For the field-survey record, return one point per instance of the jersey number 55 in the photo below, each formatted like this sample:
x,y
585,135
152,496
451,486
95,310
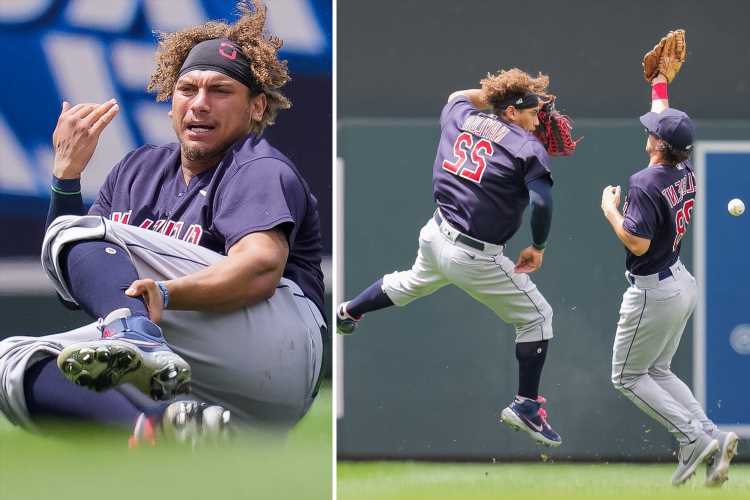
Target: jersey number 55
x,y
477,154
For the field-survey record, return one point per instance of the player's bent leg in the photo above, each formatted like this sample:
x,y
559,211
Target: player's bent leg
x,y
512,296
425,276
132,350
262,363
491,280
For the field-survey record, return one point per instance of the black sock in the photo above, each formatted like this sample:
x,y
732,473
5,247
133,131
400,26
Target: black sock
x,y
97,274
371,299
530,356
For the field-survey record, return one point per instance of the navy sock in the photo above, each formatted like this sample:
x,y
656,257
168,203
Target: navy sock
x,y
49,395
531,357
98,273
371,299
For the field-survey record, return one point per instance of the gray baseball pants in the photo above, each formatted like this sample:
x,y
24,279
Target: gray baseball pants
x,y
261,362
653,316
487,276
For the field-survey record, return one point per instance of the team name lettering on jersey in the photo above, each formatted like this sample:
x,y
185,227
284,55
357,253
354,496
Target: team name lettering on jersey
x,y
164,226
674,193
123,217
485,127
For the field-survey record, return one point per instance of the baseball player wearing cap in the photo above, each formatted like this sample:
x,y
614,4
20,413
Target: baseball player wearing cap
x,y
201,258
488,167
662,293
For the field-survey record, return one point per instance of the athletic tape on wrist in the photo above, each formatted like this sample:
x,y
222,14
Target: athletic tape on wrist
x,y
659,91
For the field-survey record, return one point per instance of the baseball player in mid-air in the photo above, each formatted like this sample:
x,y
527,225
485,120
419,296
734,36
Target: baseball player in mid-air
x,y
489,165
662,294
201,258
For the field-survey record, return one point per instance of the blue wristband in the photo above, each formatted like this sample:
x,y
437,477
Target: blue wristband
x,y
164,293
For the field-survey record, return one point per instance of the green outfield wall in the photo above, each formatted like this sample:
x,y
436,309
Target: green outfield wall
x,y
428,381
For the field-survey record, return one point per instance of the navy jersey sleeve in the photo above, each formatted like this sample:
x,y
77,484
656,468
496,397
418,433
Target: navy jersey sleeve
x,y
536,162
457,107
640,213
261,195
102,206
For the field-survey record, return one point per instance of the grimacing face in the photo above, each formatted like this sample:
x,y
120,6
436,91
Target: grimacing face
x,y
210,111
527,119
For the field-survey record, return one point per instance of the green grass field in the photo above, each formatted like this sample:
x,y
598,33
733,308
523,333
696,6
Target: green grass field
x,y
87,464
440,481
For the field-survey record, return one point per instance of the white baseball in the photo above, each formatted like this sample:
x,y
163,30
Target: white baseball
x,y
736,207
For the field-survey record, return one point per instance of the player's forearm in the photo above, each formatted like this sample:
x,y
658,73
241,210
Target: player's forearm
x,y
659,98
229,285
476,97
541,211
65,199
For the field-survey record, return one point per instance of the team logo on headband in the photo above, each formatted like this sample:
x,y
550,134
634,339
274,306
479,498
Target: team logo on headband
x,y
230,54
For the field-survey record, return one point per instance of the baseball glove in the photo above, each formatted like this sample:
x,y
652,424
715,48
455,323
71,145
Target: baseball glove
x,y
666,57
555,130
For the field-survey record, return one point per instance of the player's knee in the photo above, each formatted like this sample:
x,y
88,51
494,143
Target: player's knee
x,y
622,382
404,287
65,219
660,371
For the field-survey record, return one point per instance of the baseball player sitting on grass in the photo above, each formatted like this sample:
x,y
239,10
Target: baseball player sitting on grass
x,y
489,165
199,258
662,293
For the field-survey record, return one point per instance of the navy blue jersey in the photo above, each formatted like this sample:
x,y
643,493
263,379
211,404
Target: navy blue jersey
x,y
481,171
253,188
659,207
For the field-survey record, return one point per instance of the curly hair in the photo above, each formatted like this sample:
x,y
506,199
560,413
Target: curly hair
x,y
501,85
671,156
247,32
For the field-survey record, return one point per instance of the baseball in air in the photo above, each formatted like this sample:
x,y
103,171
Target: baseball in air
x,y
736,207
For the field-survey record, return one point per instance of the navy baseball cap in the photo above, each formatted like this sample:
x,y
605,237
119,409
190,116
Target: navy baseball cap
x,y
672,126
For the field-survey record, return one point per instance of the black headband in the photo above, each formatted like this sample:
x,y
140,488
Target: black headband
x,y
518,101
224,56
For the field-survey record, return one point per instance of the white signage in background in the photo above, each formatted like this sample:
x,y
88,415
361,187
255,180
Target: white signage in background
x,y
21,11
739,339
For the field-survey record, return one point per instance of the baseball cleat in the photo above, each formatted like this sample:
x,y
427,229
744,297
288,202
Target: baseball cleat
x,y
131,350
187,422
527,415
718,465
345,322
691,455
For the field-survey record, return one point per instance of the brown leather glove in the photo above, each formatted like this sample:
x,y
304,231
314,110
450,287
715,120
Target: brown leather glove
x,y
666,57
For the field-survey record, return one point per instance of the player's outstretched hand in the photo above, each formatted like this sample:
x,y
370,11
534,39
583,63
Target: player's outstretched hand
x,y
76,135
149,290
529,260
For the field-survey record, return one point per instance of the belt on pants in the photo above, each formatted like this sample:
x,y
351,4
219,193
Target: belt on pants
x,y
667,273
468,240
